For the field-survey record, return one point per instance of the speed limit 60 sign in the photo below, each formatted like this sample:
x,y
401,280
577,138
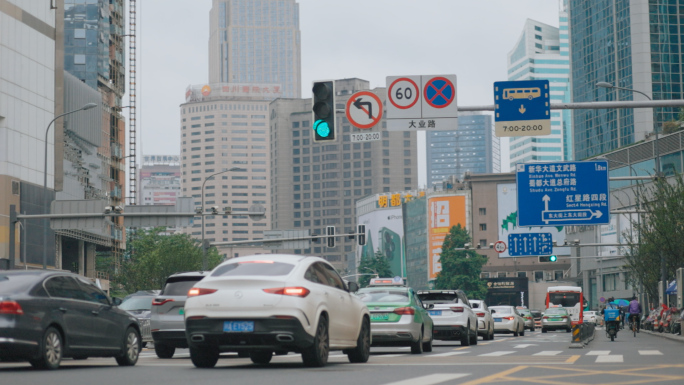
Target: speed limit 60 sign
x,y
403,94
421,102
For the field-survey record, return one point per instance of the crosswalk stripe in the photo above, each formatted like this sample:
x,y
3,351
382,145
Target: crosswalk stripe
x,y
548,353
430,379
447,354
607,358
650,352
495,354
598,353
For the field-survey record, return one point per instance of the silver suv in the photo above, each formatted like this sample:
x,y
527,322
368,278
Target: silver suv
x,y
167,319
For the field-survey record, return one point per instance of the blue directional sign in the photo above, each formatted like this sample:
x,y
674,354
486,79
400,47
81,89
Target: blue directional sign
x,y
523,108
563,193
530,244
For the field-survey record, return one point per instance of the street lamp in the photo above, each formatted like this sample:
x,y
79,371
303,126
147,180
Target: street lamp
x,y
45,201
663,275
204,247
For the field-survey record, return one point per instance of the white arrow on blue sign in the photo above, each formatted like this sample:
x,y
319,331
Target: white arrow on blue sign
x,y
563,193
522,108
525,244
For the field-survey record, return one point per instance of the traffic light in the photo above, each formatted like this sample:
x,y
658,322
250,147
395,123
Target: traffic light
x,y
324,111
548,258
361,234
330,231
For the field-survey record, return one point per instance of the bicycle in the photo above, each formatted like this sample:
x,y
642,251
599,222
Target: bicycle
x,y
633,324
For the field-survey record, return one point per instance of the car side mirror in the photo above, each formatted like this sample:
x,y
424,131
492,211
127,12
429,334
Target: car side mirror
x,y
353,287
492,311
429,305
116,301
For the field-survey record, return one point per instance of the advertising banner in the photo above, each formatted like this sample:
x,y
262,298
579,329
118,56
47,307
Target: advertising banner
x,y
384,233
443,213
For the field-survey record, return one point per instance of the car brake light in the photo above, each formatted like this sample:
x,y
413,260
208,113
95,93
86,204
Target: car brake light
x,y
195,291
294,291
405,311
161,301
545,317
480,314
11,307
457,309
195,317
509,318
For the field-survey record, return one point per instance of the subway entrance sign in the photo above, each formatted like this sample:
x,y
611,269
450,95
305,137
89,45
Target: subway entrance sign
x,y
563,193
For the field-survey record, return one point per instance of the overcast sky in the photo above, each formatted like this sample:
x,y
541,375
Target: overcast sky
x,y
367,39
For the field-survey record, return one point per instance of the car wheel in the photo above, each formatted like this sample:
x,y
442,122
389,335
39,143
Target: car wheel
x,y
131,348
417,346
473,338
532,329
51,350
261,357
491,334
317,354
362,350
522,333
143,345
427,346
465,338
568,330
204,357
544,330
164,351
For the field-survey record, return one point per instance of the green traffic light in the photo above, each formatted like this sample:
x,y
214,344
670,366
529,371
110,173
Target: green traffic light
x,y
553,258
322,128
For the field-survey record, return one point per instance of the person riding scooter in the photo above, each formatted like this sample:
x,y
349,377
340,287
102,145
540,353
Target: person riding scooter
x,y
611,317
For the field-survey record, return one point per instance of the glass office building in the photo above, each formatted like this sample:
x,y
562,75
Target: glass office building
x,y
472,148
256,42
630,44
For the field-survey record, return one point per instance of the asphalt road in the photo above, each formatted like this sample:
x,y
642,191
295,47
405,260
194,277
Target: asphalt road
x,y
535,358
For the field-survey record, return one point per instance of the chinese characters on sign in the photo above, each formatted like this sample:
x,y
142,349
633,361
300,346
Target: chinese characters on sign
x,y
397,199
196,93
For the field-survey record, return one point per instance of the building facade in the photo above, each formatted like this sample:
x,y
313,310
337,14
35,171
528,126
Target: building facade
x,y
473,148
630,44
159,179
315,185
256,42
541,53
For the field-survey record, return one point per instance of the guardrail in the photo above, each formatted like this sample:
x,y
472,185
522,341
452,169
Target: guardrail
x,y
582,334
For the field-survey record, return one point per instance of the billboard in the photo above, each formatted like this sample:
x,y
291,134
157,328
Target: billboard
x,y
443,213
384,233
617,231
507,215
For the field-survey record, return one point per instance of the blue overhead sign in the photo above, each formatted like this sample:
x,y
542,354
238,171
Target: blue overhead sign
x,y
563,193
523,244
522,108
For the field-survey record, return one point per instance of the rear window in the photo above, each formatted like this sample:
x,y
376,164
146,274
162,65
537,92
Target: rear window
x,y
555,311
13,284
438,297
137,303
383,295
180,286
501,310
264,268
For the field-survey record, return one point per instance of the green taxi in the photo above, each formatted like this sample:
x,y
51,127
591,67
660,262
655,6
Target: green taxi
x,y
398,317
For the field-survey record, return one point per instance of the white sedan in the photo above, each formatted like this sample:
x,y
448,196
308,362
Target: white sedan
x,y
451,314
270,303
485,322
507,320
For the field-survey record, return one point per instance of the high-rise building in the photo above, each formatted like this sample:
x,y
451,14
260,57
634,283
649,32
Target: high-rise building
x,y
159,179
473,149
256,42
315,185
632,44
541,53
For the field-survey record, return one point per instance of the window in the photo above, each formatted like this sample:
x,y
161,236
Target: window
x,y
484,274
558,275
538,276
610,282
483,211
522,274
501,274
483,227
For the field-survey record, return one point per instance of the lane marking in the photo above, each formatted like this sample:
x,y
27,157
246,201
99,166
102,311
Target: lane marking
x,y
650,352
548,353
447,354
498,376
389,355
598,353
496,354
572,359
430,379
606,358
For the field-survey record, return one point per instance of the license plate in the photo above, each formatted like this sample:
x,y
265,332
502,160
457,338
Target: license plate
x,y
435,312
181,311
238,326
379,316
555,319
497,319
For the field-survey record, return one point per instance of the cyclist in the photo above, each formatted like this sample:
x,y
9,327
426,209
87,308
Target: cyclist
x,y
635,312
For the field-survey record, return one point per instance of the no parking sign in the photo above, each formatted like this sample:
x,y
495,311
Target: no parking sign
x,y
437,109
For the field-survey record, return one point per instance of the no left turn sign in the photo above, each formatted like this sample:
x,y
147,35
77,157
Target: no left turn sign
x,y
364,110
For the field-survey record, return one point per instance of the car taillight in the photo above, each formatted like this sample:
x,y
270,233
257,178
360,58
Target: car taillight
x,y
161,301
405,311
545,317
195,317
480,314
294,291
10,307
195,291
457,309
509,318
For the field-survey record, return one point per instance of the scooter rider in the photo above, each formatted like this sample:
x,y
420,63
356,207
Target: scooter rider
x,y
635,312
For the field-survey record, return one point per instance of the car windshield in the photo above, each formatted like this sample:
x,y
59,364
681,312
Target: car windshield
x,y
556,310
180,286
383,295
137,303
264,268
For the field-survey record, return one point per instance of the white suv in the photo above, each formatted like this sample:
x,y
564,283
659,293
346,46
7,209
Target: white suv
x,y
452,315
485,322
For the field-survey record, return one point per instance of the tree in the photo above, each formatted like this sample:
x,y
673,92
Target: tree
x,y
378,264
461,268
659,230
151,257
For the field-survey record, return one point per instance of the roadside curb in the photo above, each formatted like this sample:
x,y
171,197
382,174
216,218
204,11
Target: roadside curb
x,y
669,336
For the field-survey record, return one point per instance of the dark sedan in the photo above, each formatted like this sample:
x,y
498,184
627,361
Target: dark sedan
x,y
48,315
